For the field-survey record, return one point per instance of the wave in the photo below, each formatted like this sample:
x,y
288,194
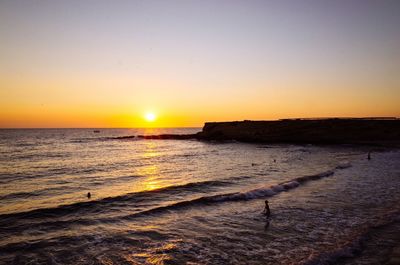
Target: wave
x,y
131,197
238,196
45,192
140,198
344,165
17,195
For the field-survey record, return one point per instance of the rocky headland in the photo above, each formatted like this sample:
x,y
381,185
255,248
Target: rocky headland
x,y
379,131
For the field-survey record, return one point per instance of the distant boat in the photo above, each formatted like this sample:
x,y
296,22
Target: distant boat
x,y
96,131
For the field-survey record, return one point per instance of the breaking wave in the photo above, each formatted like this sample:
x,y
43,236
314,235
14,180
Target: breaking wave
x,y
141,197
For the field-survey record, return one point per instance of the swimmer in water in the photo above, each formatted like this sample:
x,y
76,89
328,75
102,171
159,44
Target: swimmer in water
x,y
267,211
89,195
369,155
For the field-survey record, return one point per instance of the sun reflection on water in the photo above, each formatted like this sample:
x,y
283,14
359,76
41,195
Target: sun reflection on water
x,y
152,170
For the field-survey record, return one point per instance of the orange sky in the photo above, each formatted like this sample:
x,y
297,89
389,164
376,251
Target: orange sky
x,y
104,65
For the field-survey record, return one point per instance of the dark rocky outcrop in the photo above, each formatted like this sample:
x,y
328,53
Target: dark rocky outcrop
x,y
316,131
378,131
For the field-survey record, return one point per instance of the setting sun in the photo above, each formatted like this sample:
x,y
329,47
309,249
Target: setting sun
x,y
150,117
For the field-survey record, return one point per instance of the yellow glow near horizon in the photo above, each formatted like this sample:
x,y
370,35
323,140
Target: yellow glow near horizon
x,y
150,116
237,65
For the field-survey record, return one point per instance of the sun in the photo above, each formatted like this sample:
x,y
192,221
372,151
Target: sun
x,y
150,117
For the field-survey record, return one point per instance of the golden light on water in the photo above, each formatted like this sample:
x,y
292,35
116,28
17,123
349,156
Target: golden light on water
x,y
150,170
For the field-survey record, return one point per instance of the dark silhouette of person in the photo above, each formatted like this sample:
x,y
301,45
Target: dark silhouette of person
x,y
89,195
369,155
267,211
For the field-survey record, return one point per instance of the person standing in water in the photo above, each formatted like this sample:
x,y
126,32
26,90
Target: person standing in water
x,y
267,211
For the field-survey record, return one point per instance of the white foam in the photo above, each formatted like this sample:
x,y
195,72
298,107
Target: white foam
x,y
263,192
291,184
343,165
267,191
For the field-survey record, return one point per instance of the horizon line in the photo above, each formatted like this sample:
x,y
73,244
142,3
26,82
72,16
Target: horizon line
x,y
189,127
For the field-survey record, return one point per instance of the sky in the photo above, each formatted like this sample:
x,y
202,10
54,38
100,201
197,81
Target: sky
x,y
94,63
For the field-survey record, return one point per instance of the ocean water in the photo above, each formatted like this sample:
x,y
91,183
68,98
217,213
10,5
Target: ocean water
x,y
192,202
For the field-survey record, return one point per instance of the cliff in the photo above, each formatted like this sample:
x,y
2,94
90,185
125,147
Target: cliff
x,y
316,131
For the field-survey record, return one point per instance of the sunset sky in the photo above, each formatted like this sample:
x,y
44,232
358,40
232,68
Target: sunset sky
x,y
111,63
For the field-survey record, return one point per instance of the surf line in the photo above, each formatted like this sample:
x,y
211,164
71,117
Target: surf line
x,y
240,196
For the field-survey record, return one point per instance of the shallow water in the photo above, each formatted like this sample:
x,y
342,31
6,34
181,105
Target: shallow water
x,y
186,202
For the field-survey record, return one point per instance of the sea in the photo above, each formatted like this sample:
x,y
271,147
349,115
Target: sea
x,y
192,202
